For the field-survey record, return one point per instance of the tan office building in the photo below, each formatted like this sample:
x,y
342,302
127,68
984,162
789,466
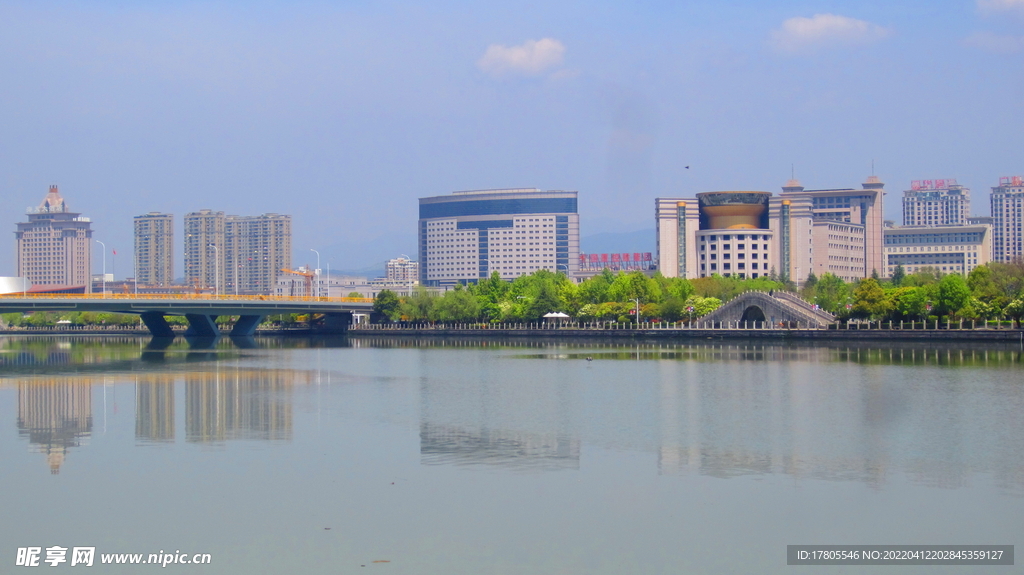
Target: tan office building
x,y
154,249
53,246
946,249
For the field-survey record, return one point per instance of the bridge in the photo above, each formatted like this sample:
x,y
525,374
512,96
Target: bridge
x,y
201,310
755,308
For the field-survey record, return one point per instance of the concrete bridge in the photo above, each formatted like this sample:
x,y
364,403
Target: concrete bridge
x,y
201,310
755,308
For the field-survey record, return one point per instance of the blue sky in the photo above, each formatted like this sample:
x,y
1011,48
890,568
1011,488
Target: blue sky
x,y
342,114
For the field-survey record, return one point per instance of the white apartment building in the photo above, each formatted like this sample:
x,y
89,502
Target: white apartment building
x,y
936,203
466,236
1007,202
947,249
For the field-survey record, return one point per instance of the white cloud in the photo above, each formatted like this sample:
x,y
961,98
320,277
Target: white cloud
x,y
529,58
990,6
997,43
800,34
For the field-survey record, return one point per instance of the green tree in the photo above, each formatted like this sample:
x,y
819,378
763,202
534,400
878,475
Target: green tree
x,y
456,305
634,285
953,294
1015,310
898,274
832,294
545,301
869,299
672,309
908,303
982,285
419,306
387,303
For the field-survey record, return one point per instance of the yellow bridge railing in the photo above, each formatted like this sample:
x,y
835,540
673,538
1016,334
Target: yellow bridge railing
x,y
180,297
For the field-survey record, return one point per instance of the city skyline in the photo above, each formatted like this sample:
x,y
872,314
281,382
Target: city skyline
x,y
135,107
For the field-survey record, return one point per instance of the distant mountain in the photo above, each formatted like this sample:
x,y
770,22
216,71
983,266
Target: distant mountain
x,y
618,242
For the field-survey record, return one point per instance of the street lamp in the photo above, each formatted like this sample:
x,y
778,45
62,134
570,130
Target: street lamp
x,y
104,276
637,300
317,271
216,269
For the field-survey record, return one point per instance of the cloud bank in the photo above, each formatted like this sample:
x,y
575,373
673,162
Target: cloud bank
x,y
530,58
990,6
998,43
825,30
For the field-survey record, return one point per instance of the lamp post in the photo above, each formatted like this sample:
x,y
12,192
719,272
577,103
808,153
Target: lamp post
x,y
216,269
637,301
104,276
317,271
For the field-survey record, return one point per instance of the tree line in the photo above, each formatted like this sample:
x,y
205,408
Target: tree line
x,y
605,297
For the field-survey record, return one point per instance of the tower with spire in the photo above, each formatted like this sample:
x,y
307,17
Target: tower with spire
x,y
53,246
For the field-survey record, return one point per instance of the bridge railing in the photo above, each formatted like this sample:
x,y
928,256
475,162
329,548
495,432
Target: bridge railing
x,y
182,297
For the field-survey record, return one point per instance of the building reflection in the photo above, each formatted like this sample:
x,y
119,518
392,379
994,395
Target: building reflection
x,y
54,414
238,404
441,444
154,409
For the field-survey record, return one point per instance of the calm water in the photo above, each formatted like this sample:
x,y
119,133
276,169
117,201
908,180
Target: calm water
x,y
471,456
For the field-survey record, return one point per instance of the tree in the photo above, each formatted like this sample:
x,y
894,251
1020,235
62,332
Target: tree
x,y
1015,310
831,293
869,299
898,274
354,294
419,306
456,305
634,285
546,301
387,303
953,294
908,302
672,309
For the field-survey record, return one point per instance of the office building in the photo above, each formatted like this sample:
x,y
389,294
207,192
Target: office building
x,y
256,249
401,270
848,236
936,203
53,246
466,236
751,234
154,249
746,234
236,254
1007,219
946,249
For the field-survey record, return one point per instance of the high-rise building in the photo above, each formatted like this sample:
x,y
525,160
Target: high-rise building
x,y
936,203
752,234
256,249
154,249
204,249
54,244
237,254
402,270
1008,219
466,236
946,249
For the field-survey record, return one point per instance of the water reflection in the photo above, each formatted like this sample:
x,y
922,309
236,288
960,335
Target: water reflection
x,y
54,414
442,444
940,415
154,409
239,404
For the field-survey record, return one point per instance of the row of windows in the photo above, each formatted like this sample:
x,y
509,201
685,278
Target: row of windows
x,y
456,208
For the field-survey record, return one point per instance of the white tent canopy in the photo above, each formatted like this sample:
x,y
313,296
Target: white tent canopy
x,y
556,315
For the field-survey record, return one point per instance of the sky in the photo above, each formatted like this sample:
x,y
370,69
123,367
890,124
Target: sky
x,y
342,114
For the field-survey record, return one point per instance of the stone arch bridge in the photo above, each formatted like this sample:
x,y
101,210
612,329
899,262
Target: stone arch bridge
x,y
754,309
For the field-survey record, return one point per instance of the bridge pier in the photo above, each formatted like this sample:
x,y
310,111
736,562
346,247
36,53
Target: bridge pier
x,y
157,324
202,325
336,322
246,325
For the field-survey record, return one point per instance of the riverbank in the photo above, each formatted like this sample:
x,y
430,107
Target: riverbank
x,y
623,333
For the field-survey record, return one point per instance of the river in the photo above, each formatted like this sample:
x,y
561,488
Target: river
x,y
478,456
